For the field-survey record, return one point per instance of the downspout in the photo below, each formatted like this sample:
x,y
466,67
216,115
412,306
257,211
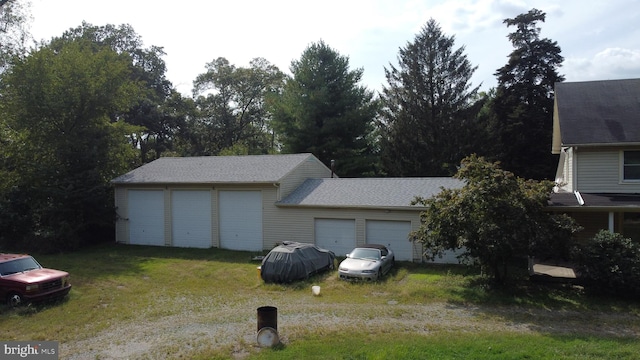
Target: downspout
x,y
579,198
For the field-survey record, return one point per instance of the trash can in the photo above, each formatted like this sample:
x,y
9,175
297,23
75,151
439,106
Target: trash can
x,y
268,317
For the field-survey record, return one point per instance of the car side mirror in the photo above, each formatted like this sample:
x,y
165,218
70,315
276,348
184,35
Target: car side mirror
x,y
348,255
383,257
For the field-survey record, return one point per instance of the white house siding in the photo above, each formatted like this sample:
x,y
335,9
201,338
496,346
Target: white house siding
x,y
121,204
271,222
567,180
598,171
570,166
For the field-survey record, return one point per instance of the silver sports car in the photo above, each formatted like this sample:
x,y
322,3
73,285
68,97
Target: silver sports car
x,y
367,262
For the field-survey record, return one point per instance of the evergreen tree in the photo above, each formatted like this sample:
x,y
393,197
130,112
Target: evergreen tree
x,y
428,121
524,100
322,110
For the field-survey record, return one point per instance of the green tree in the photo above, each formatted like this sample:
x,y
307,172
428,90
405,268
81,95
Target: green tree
x,y
428,122
61,146
524,99
322,110
157,114
14,33
495,218
231,114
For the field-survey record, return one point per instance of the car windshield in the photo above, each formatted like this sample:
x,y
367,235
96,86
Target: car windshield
x,y
18,265
359,253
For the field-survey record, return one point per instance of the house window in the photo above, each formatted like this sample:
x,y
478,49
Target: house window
x,y
631,165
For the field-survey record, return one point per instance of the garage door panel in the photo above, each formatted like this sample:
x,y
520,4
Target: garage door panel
x,y
191,218
146,217
393,234
337,235
241,220
449,257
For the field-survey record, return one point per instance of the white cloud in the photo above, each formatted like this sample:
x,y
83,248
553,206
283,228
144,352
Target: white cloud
x,y
610,63
369,32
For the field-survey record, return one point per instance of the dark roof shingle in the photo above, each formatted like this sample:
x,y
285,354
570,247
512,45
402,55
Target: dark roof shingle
x,y
599,112
569,200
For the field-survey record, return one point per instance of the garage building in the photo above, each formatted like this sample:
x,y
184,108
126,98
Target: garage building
x,y
254,202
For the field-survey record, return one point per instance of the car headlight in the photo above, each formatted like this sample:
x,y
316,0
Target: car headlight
x,y
343,269
368,271
32,287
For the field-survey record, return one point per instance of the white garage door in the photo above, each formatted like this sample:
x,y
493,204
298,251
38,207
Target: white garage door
x,y
393,234
191,218
449,257
146,217
337,235
240,220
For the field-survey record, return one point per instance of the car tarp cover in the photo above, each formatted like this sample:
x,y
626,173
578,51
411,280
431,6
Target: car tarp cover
x,y
294,261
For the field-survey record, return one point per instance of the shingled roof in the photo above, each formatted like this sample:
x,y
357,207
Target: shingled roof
x,y
367,192
598,112
215,169
565,200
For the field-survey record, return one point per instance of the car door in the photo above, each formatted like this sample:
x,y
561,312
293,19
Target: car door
x,y
386,263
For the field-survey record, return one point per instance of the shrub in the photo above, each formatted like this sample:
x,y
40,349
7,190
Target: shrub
x,y
610,264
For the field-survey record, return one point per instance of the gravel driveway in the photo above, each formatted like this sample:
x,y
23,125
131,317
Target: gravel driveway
x,y
213,323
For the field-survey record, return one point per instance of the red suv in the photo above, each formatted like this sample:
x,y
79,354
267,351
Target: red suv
x,y
23,280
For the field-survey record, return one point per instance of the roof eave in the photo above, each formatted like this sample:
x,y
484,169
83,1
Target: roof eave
x,y
608,144
587,208
354,207
210,183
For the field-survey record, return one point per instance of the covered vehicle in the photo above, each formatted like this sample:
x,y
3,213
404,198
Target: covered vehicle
x,y
293,261
367,262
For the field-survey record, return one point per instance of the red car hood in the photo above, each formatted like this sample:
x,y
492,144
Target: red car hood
x,y
36,276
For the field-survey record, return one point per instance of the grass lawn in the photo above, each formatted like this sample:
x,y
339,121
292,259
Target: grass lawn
x,y
149,302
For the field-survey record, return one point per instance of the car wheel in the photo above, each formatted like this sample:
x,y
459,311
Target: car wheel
x,y
14,300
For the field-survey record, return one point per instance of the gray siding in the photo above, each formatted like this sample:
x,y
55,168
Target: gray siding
x,y
598,171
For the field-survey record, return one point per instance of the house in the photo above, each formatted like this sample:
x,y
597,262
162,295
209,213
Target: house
x,y
596,132
254,202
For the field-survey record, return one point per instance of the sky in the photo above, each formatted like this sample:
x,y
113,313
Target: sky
x,y
600,40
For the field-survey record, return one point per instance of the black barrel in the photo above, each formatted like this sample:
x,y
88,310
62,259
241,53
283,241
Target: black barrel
x,y
268,317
